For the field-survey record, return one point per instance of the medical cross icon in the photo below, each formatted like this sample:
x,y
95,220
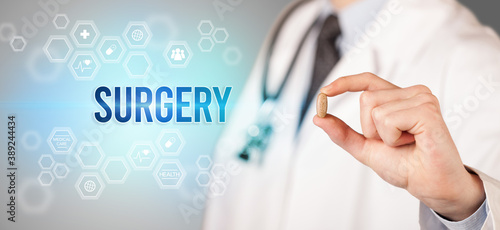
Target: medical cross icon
x,y
84,34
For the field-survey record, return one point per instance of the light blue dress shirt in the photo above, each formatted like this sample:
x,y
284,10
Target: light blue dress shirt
x,y
353,19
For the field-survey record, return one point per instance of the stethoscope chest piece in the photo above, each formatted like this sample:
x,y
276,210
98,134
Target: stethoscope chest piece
x,y
259,134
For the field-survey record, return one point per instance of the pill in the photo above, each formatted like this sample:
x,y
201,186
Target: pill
x,y
321,105
111,49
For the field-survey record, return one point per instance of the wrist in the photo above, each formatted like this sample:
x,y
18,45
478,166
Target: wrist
x,y
466,198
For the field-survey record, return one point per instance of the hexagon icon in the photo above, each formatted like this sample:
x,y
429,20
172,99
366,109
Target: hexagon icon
x,y
89,155
232,55
89,186
220,173
45,178
137,34
137,64
60,170
143,155
205,27
61,140
170,142
220,35
18,43
84,65
203,179
115,170
61,21
178,54
84,33
218,188
46,162
169,174
58,48
206,44
111,49
204,162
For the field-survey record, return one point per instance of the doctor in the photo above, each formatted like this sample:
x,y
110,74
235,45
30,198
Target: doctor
x,y
400,133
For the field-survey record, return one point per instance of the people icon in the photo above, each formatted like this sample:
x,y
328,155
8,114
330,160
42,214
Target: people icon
x,y
178,55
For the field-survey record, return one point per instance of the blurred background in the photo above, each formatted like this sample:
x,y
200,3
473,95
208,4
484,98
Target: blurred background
x,y
46,95
485,11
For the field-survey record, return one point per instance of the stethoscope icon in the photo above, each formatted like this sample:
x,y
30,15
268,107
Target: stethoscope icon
x,y
259,134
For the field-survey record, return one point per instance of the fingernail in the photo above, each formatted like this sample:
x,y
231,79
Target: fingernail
x,y
323,90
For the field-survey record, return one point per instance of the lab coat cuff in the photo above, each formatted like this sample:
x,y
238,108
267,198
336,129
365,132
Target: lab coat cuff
x,y
492,190
474,221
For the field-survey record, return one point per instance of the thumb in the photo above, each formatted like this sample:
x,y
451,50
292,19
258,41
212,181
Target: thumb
x,y
342,135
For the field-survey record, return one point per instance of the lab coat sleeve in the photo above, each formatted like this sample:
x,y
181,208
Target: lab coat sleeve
x,y
430,220
473,222
492,189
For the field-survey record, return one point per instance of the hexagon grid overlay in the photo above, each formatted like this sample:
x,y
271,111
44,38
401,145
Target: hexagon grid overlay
x,y
84,65
206,27
220,35
137,34
90,155
61,140
232,55
170,142
204,179
61,21
137,64
85,33
204,162
89,186
46,162
115,170
111,49
210,35
60,170
45,178
18,43
143,155
58,48
169,174
178,54
206,44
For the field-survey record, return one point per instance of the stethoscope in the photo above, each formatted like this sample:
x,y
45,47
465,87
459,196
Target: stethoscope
x,y
259,133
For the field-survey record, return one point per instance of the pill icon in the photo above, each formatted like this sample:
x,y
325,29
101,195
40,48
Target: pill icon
x,y
321,105
111,49
170,142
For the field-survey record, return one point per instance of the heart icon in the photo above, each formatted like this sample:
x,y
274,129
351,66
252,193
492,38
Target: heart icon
x,y
146,152
87,62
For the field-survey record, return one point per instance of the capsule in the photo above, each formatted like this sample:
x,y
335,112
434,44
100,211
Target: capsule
x,y
321,105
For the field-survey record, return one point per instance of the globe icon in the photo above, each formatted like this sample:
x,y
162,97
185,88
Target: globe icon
x,y
89,186
137,35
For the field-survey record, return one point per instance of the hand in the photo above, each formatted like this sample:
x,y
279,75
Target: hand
x,y
406,142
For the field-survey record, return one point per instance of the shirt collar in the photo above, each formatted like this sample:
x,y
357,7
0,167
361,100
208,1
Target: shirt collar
x,y
354,20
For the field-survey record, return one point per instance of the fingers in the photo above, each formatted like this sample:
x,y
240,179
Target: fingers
x,y
372,99
343,135
407,103
384,109
356,83
399,127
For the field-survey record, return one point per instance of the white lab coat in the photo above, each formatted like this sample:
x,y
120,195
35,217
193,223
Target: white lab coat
x,y
310,183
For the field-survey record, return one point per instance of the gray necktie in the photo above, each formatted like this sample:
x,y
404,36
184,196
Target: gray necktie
x,y
326,57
